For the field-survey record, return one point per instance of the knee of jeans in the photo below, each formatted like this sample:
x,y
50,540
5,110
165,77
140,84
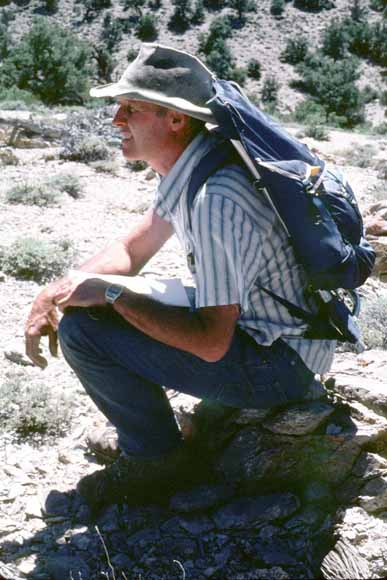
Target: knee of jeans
x,y
69,327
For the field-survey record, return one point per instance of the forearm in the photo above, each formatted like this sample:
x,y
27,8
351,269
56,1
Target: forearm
x,y
175,326
114,259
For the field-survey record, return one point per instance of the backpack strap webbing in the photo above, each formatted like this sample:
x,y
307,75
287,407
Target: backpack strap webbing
x,y
218,157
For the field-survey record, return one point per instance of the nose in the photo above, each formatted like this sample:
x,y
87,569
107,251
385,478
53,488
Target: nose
x,y
119,118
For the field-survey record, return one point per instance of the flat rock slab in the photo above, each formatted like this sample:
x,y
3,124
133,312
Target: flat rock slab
x,y
250,511
201,498
374,495
299,419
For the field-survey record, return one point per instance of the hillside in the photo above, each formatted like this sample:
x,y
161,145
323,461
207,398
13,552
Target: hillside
x,y
258,35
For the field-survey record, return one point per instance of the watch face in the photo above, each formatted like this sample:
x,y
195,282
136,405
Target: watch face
x,y
113,292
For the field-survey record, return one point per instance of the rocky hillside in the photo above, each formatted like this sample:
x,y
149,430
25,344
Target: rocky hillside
x,y
259,35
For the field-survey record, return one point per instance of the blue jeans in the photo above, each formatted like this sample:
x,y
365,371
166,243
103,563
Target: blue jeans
x,y
123,371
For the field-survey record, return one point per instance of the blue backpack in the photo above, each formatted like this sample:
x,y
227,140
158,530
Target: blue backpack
x,y
316,207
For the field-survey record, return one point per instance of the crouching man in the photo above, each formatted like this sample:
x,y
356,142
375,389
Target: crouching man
x,y
238,346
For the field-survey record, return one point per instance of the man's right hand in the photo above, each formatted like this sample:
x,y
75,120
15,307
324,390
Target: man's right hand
x,y
42,321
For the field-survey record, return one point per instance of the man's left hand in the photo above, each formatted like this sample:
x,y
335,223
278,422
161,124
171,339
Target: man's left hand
x,y
84,293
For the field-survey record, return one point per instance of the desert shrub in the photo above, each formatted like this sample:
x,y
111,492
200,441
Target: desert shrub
x,y
181,16
147,27
105,63
254,69
221,62
277,7
373,322
368,40
214,4
314,5
310,112
360,156
14,99
380,129
369,94
67,183
379,192
105,167
92,6
29,409
4,40
137,165
220,29
317,132
241,7
269,94
155,4
335,40
35,259
33,194
85,150
112,31
135,5
50,62
131,54
296,50
7,157
332,85
51,5
378,5
198,14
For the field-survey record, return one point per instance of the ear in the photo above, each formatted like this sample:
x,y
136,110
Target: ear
x,y
177,121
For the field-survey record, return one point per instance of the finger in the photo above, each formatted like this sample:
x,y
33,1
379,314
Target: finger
x,y
33,351
53,342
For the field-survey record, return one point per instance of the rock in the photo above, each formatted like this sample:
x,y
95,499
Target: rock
x,y
374,494
10,572
250,416
375,225
196,525
247,512
368,391
379,244
201,498
65,567
344,562
370,465
57,503
299,419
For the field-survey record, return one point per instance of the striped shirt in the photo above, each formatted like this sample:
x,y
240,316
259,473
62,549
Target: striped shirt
x,y
239,247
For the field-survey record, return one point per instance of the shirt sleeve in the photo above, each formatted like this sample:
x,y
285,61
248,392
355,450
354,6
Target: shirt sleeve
x,y
227,251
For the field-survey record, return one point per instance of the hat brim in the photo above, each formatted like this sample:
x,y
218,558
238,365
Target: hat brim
x,y
177,104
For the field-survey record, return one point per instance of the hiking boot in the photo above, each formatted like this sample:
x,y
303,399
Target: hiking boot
x,y
103,443
134,481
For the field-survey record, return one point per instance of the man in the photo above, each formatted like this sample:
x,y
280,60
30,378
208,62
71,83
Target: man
x,y
238,346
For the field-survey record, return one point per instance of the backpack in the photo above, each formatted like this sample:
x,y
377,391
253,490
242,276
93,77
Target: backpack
x,y
316,206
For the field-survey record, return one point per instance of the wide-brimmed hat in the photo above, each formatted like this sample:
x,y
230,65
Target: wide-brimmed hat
x,y
168,77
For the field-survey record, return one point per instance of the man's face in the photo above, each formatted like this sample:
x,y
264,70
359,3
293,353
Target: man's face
x,y
144,130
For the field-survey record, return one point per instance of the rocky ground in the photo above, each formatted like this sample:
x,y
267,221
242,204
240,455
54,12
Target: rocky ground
x,y
297,492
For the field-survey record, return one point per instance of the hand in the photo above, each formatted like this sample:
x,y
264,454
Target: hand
x,y
42,321
81,292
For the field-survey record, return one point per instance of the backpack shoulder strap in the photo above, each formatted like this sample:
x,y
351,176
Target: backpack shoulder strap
x,y
219,156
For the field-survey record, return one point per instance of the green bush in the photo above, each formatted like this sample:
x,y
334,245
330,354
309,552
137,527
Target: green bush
x,y
373,322
137,165
269,94
105,167
92,6
85,150
147,27
135,5
35,259
198,14
33,194
277,7
49,62
7,157
296,50
112,30
314,5
254,69
317,132
310,112
332,85
220,30
221,62
67,183
336,40
29,409
181,16
360,156
241,7
14,99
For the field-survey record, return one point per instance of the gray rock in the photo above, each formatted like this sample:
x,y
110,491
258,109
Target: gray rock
x,y
201,498
57,503
344,562
65,567
109,521
253,457
370,465
196,525
317,492
10,572
250,511
374,494
299,419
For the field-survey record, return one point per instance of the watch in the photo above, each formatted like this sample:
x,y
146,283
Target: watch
x,y
113,292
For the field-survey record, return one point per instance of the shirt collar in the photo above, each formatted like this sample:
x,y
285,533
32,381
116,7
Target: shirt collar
x,y
181,171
